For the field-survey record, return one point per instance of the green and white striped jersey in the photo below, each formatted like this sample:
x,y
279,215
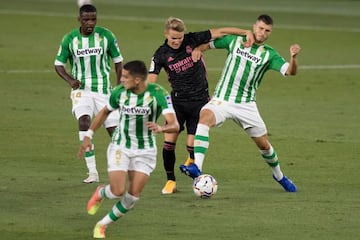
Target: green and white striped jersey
x,y
244,68
135,110
89,57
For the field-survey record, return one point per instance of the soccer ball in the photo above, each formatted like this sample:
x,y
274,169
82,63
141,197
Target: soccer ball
x,y
83,2
205,186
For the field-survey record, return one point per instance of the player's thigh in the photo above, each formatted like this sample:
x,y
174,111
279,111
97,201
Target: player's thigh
x,y
117,180
193,115
144,161
82,103
141,166
180,114
118,164
137,183
100,101
117,160
247,115
214,113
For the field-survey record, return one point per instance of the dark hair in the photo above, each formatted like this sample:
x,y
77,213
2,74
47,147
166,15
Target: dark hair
x,y
87,8
266,19
136,68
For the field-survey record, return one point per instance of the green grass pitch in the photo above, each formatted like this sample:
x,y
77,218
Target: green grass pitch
x,y
313,121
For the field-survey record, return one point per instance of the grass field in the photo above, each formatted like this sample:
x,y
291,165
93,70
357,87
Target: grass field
x,y
313,121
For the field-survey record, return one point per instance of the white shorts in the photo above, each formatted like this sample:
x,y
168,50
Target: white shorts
x,y
90,103
131,160
245,115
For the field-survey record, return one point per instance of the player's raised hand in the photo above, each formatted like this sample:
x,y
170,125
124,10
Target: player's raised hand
x,y
294,50
249,39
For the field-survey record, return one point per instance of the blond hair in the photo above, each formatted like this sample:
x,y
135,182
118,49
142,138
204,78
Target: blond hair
x,y
176,24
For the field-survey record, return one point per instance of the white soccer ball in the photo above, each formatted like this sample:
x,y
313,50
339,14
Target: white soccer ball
x,y
205,186
83,2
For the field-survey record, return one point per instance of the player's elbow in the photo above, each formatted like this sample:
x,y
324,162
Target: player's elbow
x,y
292,72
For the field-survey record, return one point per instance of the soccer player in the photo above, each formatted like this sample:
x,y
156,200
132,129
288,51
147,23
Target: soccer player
x,y
89,50
188,80
132,150
235,95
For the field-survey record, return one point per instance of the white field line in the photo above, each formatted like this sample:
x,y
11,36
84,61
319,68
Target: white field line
x,y
305,67
312,67
189,21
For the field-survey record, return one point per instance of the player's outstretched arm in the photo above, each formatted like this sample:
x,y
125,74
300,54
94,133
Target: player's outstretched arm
x,y
220,32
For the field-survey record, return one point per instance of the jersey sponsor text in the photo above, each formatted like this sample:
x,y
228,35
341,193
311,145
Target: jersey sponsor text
x,y
88,52
135,110
248,56
182,65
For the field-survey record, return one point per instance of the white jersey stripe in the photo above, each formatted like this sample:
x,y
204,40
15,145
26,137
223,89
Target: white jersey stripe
x,y
87,64
244,68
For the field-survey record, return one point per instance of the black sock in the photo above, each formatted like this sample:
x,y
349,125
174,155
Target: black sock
x,y
190,151
169,159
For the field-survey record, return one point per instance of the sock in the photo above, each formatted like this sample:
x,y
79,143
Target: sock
x,y
119,209
89,155
271,159
169,159
201,144
107,193
190,150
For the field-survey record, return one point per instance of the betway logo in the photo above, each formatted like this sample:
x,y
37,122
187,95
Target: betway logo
x,y
88,52
248,56
135,110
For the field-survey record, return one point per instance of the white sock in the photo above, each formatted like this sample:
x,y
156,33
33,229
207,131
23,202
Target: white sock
x,y
106,220
278,174
272,160
126,203
89,156
109,194
201,144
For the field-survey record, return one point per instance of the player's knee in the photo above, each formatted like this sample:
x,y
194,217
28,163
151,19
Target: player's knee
x,y
110,130
257,132
207,117
84,122
117,191
262,141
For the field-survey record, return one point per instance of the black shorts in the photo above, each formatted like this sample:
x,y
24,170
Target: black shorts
x,y
187,113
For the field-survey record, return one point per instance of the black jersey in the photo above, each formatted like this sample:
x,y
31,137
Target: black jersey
x,y
188,79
